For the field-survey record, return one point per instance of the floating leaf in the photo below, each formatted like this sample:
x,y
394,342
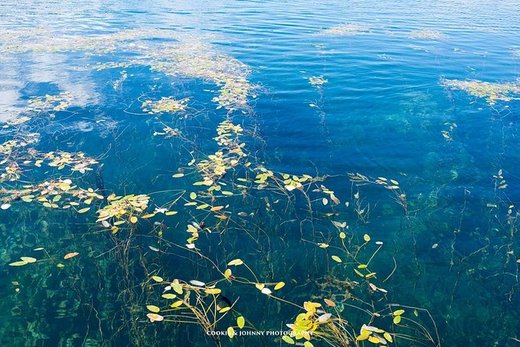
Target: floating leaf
x,y
29,260
388,337
227,273
213,291
374,340
366,237
70,255
397,319
336,258
266,291
193,195
177,287
330,302
178,175
18,263
398,312
288,339
279,285
224,309
308,344
153,308
197,283
231,332
83,210
324,318
169,296
241,321
157,279
153,317
133,219
5,206
176,304
235,262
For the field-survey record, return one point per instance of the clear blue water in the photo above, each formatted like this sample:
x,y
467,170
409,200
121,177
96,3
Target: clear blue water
x,y
383,112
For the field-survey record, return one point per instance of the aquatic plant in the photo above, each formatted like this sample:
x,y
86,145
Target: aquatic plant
x,y
317,81
164,105
491,92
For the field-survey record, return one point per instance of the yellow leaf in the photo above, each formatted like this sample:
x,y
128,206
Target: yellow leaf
x,y
231,332
224,309
157,279
83,210
362,266
70,255
176,304
227,273
288,339
373,339
235,262
179,175
366,237
397,319
336,259
279,285
308,344
133,219
18,263
213,291
177,287
398,312
241,322
330,302
169,296
323,245
388,337
28,260
193,195
153,308
342,235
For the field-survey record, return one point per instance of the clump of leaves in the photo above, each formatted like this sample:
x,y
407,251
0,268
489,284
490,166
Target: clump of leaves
x,y
492,92
122,209
165,105
61,193
77,161
317,81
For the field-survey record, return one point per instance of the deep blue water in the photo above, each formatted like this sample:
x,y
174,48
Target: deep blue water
x,y
451,246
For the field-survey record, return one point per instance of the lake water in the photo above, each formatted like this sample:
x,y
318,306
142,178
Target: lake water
x,y
166,165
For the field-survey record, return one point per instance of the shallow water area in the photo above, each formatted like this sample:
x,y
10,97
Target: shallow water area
x,y
259,173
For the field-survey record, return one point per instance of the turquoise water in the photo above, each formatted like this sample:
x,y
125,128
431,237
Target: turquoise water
x,y
353,94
